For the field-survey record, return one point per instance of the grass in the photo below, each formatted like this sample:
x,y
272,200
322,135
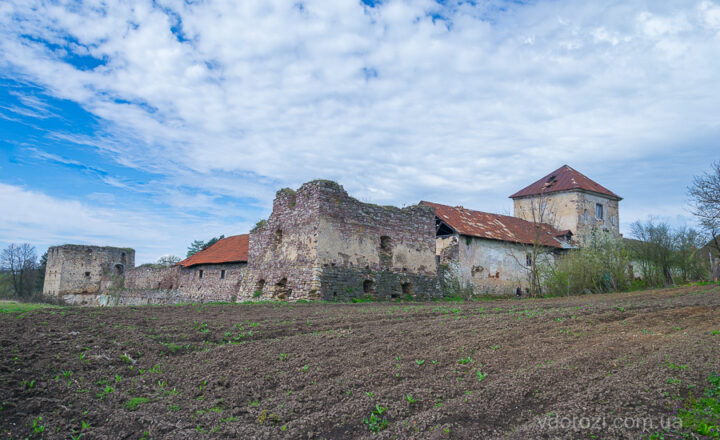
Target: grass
x,y
18,307
133,403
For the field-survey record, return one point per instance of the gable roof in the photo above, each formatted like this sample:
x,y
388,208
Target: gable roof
x,y
496,226
564,178
232,249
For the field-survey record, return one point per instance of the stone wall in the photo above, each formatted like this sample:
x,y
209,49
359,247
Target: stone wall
x,y
573,210
321,243
489,267
204,282
79,269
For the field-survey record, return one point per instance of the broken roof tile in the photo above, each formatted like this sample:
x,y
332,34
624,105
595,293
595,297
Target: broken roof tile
x,y
496,226
564,178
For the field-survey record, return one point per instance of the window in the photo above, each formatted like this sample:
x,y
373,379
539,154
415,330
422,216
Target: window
x,y
528,259
222,274
368,286
385,243
200,274
278,236
87,274
407,289
598,211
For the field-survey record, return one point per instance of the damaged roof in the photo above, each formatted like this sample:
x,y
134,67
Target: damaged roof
x,y
564,178
497,227
232,249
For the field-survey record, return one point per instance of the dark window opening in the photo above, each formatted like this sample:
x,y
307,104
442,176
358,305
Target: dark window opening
x,y
599,211
200,274
528,260
122,258
259,286
407,289
222,274
385,244
441,229
281,290
119,269
369,286
278,236
87,274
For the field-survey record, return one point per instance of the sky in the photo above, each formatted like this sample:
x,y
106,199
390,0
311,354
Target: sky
x,y
152,123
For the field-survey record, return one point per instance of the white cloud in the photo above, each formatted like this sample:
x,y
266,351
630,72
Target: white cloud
x,y
407,101
34,217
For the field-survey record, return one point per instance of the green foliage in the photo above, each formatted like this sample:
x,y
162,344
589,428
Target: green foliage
x,y
133,403
464,361
702,415
259,225
37,427
375,423
480,375
666,255
410,398
600,266
199,245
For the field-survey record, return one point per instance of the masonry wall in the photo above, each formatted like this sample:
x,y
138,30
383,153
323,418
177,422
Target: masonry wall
x,y
371,250
573,210
219,282
79,269
488,267
321,243
282,253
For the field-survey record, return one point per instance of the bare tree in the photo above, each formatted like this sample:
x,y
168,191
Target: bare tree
x,y
705,198
168,260
537,253
20,261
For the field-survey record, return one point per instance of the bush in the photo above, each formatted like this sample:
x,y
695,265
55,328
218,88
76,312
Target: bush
x,y
600,266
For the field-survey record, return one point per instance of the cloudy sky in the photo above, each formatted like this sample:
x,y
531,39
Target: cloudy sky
x,y
150,123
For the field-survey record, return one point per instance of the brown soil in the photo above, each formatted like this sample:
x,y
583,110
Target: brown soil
x,y
307,370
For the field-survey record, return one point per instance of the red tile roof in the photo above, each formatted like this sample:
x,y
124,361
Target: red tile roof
x,y
495,226
228,250
564,179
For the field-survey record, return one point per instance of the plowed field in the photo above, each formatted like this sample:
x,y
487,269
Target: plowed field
x,y
596,366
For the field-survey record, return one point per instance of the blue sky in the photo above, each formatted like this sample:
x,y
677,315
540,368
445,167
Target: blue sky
x,y
153,123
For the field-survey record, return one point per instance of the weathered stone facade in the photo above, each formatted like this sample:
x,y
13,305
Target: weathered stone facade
x,y
488,267
78,269
203,282
572,210
320,243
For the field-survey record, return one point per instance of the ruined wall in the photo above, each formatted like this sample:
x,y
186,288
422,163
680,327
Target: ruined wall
x,y
489,267
321,243
371,250
573,210
78,269
282,253
201,283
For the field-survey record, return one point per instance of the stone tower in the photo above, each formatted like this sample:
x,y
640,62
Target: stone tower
x,y
569,200
78,269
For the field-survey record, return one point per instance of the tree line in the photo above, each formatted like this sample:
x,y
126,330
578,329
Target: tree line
x,y
22,274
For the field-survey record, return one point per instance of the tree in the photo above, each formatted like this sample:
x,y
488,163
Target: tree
x,y
666,255
199,245
168,260
20,262
705,199
537,254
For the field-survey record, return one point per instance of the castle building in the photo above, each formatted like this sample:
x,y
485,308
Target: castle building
x,y
89,270
570,201
491,254
320,243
